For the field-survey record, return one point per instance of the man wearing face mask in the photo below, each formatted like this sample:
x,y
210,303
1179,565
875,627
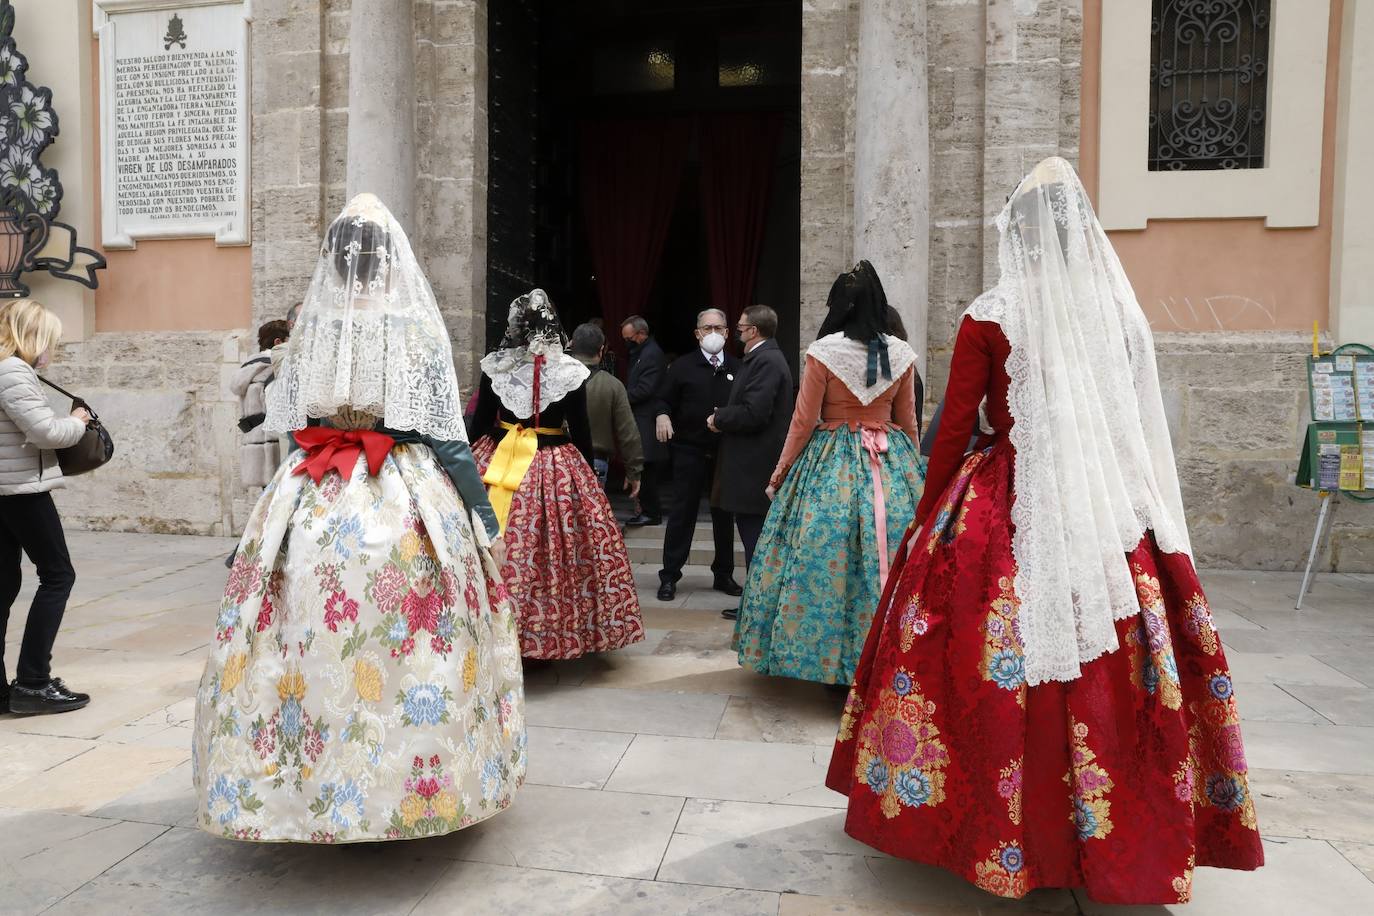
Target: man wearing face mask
x,y
753,426
698,383
643,384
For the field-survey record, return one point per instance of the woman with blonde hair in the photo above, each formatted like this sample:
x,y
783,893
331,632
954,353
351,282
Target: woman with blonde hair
x,y
30,433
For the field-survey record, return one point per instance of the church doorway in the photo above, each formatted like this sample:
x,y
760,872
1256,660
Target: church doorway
x,y
644,158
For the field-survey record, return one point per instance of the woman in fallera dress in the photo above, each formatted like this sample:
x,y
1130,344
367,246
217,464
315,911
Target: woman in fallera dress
x,y
567,569
365,678
845,490
1043,700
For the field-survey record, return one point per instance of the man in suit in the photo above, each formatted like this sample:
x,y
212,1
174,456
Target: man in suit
x,y
698,383
643,385
753,426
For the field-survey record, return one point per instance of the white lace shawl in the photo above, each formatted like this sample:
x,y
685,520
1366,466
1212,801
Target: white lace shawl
x,y
1094,464
847,360
512,377
369,337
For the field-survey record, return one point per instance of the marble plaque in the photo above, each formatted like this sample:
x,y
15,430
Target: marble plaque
x,y
174,111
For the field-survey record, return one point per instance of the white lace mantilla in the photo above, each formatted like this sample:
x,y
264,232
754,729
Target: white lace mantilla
x,y
369,336
1094,463
847,360
512,377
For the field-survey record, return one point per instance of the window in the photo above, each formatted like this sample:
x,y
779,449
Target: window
x,y
634,67
756,60
1209,63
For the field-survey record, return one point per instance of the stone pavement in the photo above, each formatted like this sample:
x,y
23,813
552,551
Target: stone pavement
x,y
662,778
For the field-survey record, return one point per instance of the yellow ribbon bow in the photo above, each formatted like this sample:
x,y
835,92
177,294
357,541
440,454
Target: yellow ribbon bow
x,y
510,463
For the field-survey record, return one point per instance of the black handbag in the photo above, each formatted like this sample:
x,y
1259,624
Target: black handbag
x,y
95,448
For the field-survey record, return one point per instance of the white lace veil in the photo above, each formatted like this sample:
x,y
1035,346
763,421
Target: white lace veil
x,y
369,336
1094,464
533,334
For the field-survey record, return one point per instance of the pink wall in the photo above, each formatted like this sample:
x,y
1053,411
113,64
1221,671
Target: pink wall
x,y
1221,274
170,284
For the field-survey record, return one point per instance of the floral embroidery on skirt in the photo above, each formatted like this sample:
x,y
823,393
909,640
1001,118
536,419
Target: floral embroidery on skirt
x,y
365,680
1037,784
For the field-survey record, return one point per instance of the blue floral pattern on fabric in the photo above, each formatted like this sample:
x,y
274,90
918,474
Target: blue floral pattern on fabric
x,y
811,593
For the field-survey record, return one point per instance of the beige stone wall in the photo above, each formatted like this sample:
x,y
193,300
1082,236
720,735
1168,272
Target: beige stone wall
x,y
829,60
165,399
1004,94
1236,402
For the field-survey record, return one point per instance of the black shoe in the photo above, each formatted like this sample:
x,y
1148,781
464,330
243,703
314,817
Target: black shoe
x,y
641,520
730,613
729,587
4,703
667,591
39,701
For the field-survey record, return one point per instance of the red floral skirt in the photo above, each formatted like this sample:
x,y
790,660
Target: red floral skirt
x,y
566,567
1120,782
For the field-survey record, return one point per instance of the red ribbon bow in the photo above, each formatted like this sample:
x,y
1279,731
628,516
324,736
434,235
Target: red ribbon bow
x,y
326,447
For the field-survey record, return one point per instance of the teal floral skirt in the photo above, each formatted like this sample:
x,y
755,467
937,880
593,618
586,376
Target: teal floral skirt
x,y
815,580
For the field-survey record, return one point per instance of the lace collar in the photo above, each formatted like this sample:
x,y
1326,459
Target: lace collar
x,y
847,360
512,378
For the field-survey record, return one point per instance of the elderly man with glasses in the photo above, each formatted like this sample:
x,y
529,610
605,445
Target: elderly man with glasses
x,y
698,383
753,427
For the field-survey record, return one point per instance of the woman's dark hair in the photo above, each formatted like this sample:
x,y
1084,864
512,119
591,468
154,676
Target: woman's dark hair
x,y
895,326
271,332
857,306
372,239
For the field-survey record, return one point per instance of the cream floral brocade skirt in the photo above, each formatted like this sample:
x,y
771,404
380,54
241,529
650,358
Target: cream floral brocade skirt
x,y
365,682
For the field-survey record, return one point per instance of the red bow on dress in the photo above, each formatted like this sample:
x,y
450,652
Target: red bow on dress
x,y
326,447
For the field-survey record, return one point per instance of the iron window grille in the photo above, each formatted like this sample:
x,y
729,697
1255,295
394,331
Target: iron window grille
x,y
1209,66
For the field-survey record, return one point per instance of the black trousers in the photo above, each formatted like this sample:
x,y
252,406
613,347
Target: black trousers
x,y
650,503
29,524
750,527
693,471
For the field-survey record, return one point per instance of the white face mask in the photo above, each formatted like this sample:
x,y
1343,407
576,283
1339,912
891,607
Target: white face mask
x,y
713,342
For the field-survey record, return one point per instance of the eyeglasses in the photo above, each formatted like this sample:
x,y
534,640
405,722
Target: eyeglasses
x,y
718,328
745,327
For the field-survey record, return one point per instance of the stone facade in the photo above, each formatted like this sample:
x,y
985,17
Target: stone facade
x,y
300,131
1003,92
165,399
1236,403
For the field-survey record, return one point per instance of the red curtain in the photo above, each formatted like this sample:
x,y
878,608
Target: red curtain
x,y
738,158
631,173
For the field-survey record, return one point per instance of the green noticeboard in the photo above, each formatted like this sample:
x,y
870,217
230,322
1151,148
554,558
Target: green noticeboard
x,y
1337,456
1338,447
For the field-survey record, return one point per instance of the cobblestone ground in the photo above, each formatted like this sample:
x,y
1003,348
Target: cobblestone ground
x,y
662,779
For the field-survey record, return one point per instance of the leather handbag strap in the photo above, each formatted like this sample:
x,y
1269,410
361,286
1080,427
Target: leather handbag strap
x,y
76,401
58,388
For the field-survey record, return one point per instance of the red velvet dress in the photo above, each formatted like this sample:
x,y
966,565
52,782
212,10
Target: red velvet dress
x,y
1120,781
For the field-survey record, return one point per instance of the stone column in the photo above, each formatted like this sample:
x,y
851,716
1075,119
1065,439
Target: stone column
x,y
381,105
1352,246
892,156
